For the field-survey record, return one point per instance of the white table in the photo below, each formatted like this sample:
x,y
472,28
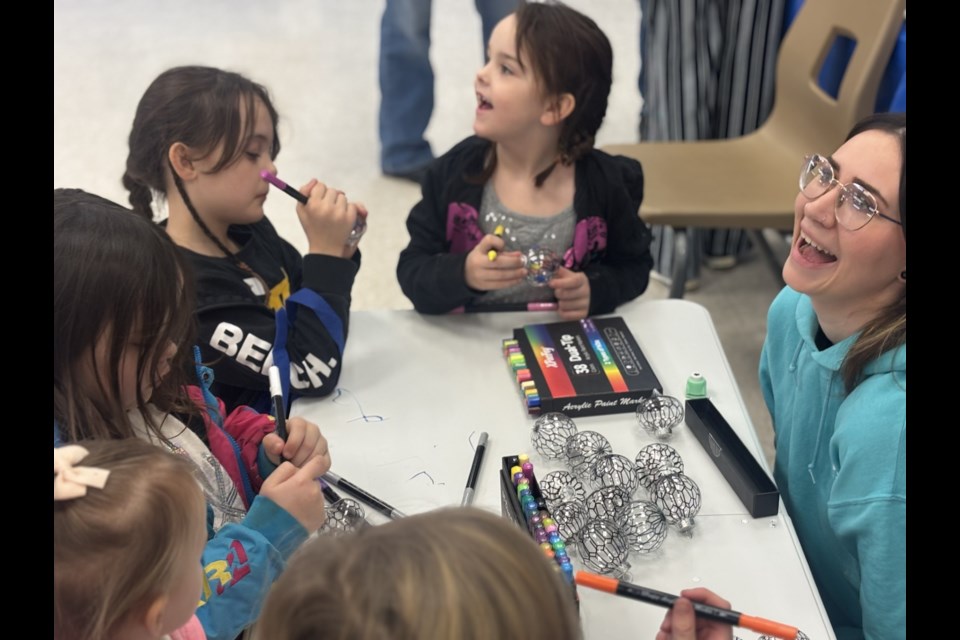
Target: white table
x,y
417,390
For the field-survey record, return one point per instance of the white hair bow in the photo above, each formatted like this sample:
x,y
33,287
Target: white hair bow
x,y
70,481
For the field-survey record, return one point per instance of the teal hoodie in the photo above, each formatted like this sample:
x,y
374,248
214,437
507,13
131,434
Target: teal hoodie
x,y
841,468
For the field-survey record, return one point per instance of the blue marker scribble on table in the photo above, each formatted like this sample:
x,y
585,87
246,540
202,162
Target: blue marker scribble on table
x,y
341,395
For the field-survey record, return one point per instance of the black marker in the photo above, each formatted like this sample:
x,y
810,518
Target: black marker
x,y
474,469
276,394
354,490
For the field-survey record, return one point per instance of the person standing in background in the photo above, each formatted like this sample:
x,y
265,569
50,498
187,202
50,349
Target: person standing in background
x,y
406,81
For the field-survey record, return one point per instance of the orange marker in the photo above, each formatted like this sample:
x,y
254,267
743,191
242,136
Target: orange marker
x,y
492,254
659,598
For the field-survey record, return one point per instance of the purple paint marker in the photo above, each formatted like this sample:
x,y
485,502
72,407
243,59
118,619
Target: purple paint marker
x,y
283,186
359,227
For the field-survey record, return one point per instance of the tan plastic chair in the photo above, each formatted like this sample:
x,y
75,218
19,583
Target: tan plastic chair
x,y
751,181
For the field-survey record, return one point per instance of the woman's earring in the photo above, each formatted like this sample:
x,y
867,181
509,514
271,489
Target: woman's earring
x,y
903,275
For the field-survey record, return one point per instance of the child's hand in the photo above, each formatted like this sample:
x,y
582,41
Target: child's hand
x,y
327,218
298,492
681,623
484,274
572,289
350,249
304,441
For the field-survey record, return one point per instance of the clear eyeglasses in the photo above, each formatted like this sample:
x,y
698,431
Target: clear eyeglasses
x,y
855,205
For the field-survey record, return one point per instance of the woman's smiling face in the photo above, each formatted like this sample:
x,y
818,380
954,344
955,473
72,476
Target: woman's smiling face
x,y
854,270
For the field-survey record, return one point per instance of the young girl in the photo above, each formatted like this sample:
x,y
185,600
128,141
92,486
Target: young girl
x,y
200,139
129,528
122,302
834,376
532,174
452,573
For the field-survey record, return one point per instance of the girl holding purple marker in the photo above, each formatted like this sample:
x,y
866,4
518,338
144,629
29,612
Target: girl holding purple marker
x,y
205,140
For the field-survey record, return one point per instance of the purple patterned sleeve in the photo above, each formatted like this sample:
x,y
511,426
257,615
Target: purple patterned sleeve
x,y
463,230
590,235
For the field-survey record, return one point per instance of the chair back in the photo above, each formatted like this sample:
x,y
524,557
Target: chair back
x,y
804,116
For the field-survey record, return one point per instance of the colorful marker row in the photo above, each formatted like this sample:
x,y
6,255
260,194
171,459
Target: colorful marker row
x,y
541,524
518,364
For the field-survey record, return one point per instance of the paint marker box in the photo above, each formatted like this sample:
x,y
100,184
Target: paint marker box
x,y
509,501
741,470
586,367
512,509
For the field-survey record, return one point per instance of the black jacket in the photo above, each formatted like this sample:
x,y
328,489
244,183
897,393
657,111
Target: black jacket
x,y
238,327
609,189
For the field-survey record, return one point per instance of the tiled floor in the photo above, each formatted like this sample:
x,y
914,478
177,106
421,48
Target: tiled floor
x,y
318,58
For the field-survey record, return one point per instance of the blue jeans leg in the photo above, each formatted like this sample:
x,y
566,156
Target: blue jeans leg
x,y
406,85
491,12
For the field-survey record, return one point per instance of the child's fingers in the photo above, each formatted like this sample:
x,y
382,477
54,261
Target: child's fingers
x,y
312,469
313,444
296,432
508,260
316,188
353,212
489,243
701,594
683,621
563,278
566,290
308,188
273,446
281,474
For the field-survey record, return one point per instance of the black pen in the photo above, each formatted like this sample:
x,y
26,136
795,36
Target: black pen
x,y
354,490
276,394
474,470
332,496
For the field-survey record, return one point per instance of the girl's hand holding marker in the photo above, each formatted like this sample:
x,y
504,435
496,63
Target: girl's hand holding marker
x,y
489,267
325,214
303,442
295,439
492,254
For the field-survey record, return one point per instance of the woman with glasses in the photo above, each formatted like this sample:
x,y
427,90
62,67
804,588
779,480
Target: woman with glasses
x,y
834,376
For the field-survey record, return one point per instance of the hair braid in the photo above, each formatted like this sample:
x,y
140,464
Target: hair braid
x,y
141,197
213,238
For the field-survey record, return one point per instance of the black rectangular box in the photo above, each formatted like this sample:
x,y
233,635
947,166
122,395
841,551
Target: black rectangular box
x,y
509,502
741,470
584,367
512,509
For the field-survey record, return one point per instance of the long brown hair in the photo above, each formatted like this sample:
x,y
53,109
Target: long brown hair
x,y
119,278
451,573
115,549
889,329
